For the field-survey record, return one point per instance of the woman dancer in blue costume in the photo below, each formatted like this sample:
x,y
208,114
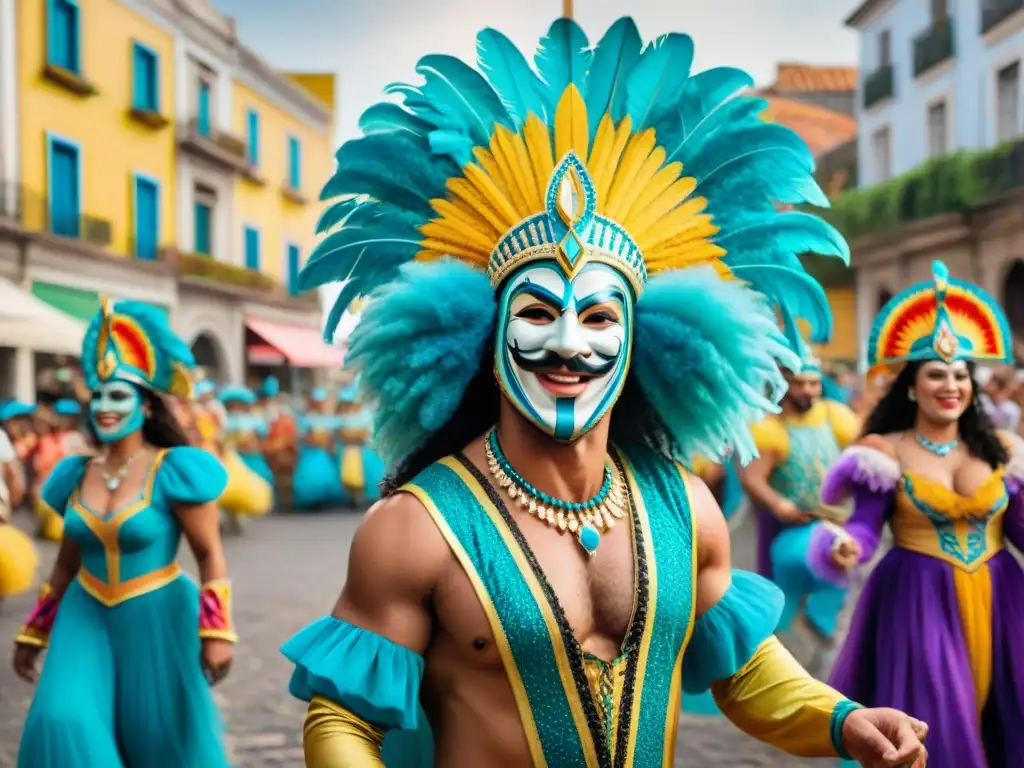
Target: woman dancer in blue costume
x,y
317,480
362,470
244,429
552,328
133,643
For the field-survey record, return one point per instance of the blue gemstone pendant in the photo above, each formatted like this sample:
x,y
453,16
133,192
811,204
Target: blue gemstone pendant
x,y
589,537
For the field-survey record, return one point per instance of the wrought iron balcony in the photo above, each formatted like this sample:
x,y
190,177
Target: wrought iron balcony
x,y
220,147
934,46
995,11
878,86
34,212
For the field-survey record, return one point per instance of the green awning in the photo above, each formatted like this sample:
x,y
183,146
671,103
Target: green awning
x,y
78,303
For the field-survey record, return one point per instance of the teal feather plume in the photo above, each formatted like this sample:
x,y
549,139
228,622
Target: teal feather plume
x,y
614,58
510,76
706,353
463,96
768,239
563,57
417,346
796,290
458,146
416,102
685,138
336,213
657,81
701,94
386,117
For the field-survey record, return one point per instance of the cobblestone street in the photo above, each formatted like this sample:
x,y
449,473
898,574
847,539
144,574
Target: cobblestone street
x,y
287,571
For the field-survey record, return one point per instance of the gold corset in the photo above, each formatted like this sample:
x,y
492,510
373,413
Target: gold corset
x,y
963,531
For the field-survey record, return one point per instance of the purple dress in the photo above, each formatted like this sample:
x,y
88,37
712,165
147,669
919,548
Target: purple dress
x,y
938,631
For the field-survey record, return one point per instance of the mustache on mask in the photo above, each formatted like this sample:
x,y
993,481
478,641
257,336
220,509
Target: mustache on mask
x,y
546,361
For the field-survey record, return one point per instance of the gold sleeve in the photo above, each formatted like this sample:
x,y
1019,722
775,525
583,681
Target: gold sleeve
x,y
770,436
844,422
335,738
775,700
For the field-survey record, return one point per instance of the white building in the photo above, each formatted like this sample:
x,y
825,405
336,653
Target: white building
x,y
936,76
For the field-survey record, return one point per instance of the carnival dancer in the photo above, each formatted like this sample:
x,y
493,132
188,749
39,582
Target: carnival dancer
x,y
362,470
796,447
48,452
209,416
18,556
16,420
939,625
250,488
69,422
316,482
245,428
279,443
133,644
543,592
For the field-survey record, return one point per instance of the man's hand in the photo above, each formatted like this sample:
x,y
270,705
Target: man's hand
x,y
846,553
789,513
879,738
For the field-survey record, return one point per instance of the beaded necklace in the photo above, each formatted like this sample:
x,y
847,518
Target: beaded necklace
x,y
585,519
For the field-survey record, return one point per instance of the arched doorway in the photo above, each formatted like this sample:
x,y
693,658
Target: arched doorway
x,y
208,357
884,297
1013,299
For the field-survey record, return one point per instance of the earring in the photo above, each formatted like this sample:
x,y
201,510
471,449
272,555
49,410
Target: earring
x,y
912,396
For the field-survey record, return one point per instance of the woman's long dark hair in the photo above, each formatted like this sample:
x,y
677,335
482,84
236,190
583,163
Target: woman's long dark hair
x,y
896,413
634,421
160,429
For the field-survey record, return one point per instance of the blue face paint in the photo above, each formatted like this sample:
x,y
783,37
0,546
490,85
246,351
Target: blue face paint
x,y
562,346
115,411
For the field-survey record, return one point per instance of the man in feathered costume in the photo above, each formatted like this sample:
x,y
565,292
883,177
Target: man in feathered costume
x,y
554,321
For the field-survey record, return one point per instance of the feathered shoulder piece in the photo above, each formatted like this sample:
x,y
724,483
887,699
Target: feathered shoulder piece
x,y
871,463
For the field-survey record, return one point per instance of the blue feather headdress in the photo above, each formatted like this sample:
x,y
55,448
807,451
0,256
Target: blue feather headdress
x,y
614,153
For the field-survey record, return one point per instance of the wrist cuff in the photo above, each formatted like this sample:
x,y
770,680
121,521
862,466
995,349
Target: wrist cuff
x,y
839,714
215,611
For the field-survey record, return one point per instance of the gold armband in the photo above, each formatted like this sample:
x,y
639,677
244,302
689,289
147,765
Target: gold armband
x,y
36,629
775,700
333,737
215,611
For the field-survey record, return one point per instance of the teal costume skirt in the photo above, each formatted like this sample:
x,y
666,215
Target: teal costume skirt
x,y
258,464
316,481
122,687
822,601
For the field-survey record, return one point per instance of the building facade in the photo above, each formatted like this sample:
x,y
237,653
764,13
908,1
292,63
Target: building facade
x,y
127,170
940,110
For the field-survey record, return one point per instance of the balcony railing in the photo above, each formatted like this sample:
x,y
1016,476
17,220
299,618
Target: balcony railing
x,y
35,212
995,11
878,86
217,146
233,277
933,46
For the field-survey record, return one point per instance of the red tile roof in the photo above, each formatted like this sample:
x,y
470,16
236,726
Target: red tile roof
x,y
821,128
801,78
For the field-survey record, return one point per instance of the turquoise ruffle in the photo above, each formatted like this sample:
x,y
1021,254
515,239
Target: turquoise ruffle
x,y
725,638
192,476
62,482
374,678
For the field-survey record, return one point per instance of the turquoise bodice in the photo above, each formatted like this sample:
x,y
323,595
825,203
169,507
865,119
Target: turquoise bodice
x,y
323,423
813,448
133,549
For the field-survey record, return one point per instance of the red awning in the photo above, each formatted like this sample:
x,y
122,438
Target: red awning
x,y
301,346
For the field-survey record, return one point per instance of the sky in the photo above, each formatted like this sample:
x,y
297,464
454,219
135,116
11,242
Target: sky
x,y
370,43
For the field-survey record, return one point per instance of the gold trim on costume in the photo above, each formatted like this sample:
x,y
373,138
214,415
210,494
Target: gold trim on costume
x,y
106,529
500,639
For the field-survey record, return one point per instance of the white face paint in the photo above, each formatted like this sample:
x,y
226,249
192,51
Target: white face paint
x,y
116,411
562,348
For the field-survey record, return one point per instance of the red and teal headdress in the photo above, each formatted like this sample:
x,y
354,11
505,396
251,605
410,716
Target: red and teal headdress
x,y
939,319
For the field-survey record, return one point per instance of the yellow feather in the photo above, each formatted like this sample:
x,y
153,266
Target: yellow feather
x,y
619,205
504,152
455,249
603,141
637,149
571,127
538,144
661,205
458,210
699,227
531,188
428,255
489,163
681,257
604,175
462,189
487,189
681,222
661,183
456,231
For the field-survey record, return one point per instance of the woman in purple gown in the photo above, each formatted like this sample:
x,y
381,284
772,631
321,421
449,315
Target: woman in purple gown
x,y
939,628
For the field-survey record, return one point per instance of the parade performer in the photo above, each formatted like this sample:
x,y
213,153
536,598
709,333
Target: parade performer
x,y
362,470
245,428
18,556
133,643
279,443
69,415
796,447
316,482
250,488
937,629
538,257
209,416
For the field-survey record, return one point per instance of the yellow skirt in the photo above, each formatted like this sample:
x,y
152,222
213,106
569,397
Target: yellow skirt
x,y
18,561
246,493
51,525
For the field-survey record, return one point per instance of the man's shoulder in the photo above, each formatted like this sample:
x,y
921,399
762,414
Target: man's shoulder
x,y
398,530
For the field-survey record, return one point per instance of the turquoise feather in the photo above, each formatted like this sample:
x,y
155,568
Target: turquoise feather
x,y
768,239
509,73
688,138
563,58
796,290
452,144
463,96
614,58
386,117
656,83
701,94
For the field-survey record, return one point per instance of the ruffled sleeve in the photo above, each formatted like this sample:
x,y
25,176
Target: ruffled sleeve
x,y
373,677
770,436
192,476
869,465
725,638
61,483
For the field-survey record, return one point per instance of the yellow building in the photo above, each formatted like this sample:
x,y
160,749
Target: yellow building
x,y
125,169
